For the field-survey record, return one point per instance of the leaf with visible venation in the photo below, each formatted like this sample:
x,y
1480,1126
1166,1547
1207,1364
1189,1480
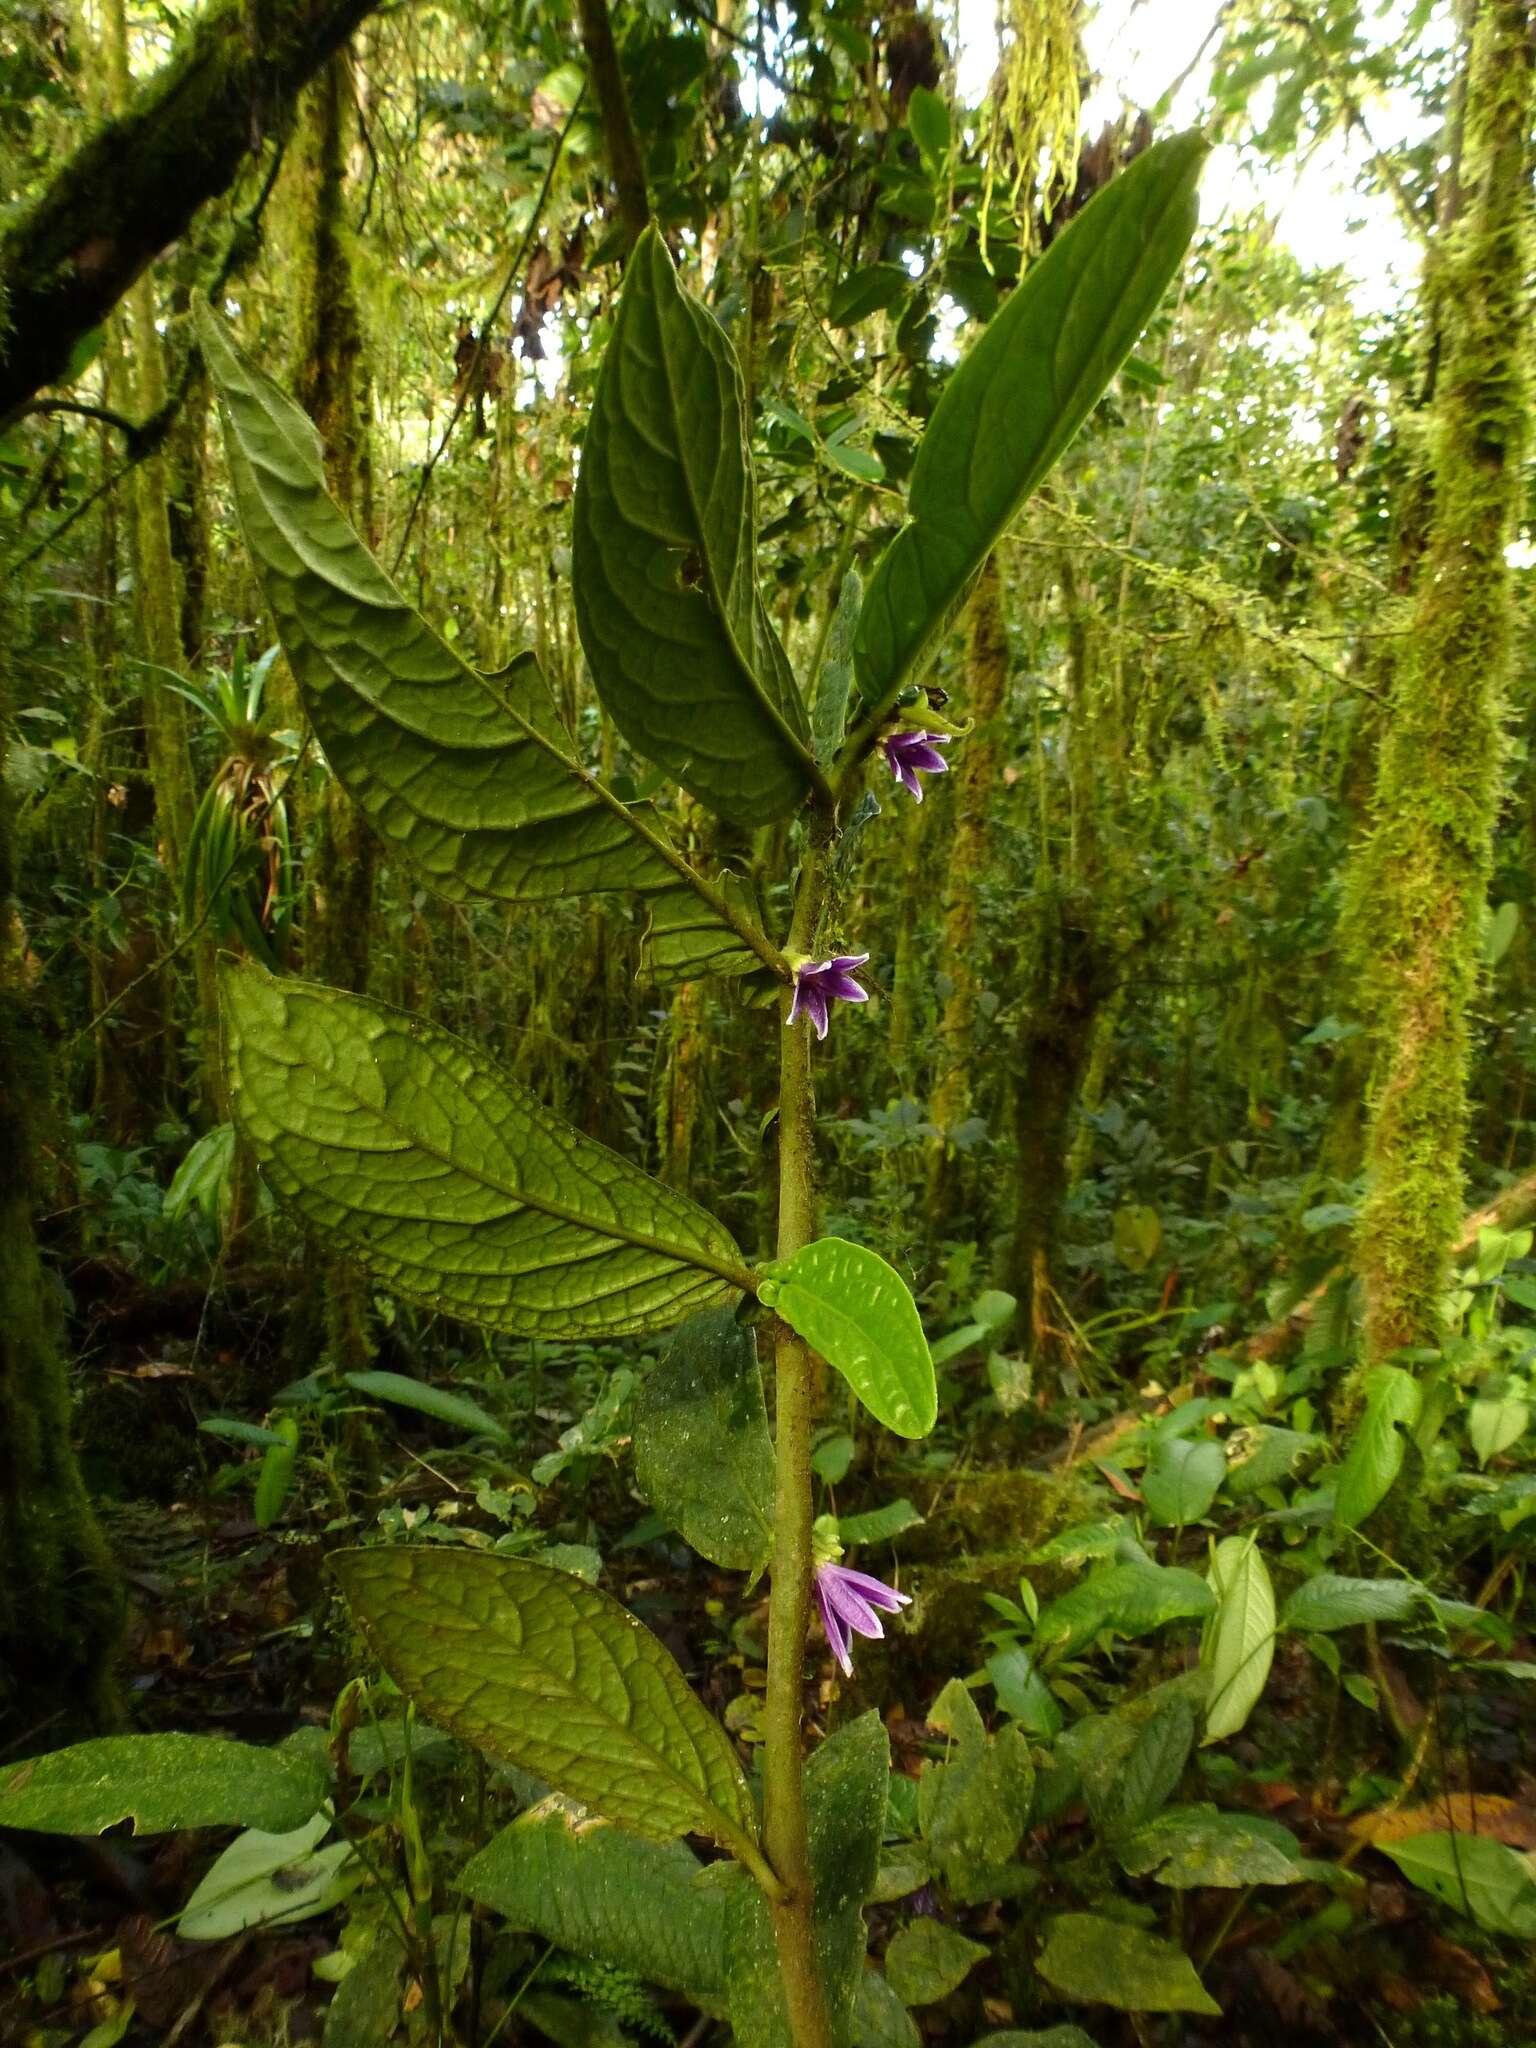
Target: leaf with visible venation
x,y
410,1151
1020,396
925,1961
1105,1962
845,1797
1182,1478
681,649
1239,1644
561,1873
686,939
537,1667
1329,1601
974,1806
1131,1599
1132,1759
437,1402
858,1312
703,1455
160,1782
1489,1882
267,1880
1198,1845
1496,1421
1392,1402
470,777
879,1525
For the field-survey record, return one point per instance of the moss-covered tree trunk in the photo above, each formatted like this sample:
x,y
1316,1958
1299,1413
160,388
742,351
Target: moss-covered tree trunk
x,y
60,1602
1420,879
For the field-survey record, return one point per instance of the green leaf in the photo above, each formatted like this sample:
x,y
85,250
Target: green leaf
x,y
1499,933
1197,1845
879,1525
1131,1599
275,1479
267,1880
1023,1693
686,939
406,1148
680,646
536,1667
437,1402
1105,1962
1018,400
1137,1232
928,121
161,1783
880,2020
1498,1421
1329,1601
1392,1398
1182,1478
469,777
365,2011
836,679
926,1960
874,289
703,1455
845,1795
857,1311
1263,1456
1046,2037
1131,1760
570,1878
1489,1882
974,1806
1239,1644
236,1432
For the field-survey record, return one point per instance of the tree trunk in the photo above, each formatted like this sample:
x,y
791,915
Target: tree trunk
x,y
1422,875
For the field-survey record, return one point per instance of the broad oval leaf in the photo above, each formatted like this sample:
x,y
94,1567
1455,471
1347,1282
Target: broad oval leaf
x,y
664,552
858,1312
267,1880
925,1961
1488,1881
563,1874
535,1666
1105,1962
703,1455
1329,1601
1019,398
1198,1845
1239,1644
470,778
1182,1478
160,1783
408,1149
1392,1402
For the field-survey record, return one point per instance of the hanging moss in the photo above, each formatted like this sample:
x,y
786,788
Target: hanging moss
x,y
1419,882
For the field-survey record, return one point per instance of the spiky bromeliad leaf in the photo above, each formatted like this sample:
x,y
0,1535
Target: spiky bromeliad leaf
x,y
665,547
471,778
1018,399
408,1149
537,1667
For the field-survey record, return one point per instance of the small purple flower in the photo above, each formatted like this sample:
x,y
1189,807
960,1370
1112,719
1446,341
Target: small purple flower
x,y
848,1601
910,754
820,983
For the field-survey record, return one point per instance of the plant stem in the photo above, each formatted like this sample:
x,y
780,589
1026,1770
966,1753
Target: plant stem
x,y
790,1609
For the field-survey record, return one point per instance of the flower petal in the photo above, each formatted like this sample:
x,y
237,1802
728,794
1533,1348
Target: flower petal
x,y
875,1591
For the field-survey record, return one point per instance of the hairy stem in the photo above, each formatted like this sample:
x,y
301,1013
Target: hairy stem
x,y
790,1611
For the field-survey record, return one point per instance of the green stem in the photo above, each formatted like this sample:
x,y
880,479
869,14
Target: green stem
x,y
790,1611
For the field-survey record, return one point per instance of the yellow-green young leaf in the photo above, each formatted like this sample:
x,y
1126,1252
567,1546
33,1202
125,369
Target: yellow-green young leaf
x,y
160,1782
537,1667
596,1890
681,649
858,1312
1105,1962
1239,1644
845,1797
1392,1402
1018,399
470,777
703,1455
409,1150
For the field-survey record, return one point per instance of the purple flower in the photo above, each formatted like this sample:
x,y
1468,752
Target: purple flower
x,y
848,1601
819,983
910,754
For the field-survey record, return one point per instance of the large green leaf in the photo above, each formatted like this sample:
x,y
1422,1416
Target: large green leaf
x,y
858,1312
470,777
1489,1882
407,1148
703,1455
845,1796
665,554
1132,1599
561,1873
1182,1478
161,1782
1197,1845
1392,1402
1329,1601
1105,1962
1132,1759
1019,398
974,1806
535,1666
1239,1644
267,1880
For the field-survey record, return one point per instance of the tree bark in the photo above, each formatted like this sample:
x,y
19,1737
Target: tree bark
x,y
133,187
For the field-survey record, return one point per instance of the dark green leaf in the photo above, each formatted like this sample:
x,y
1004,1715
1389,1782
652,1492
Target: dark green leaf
x,y
236,1432
874,289
974,1806
1197,1845
161,1782
534,1666
1328,1602
437,1402
1131,1599
880,2020
1018,400
925,1961
1182,1478
408,1149
836,678
665,549
1131,1760
365,2011
703,1455
858,1312
878,1525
